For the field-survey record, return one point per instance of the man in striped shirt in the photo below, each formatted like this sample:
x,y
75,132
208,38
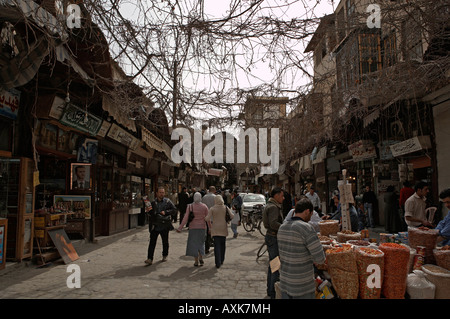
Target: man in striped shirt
x,y
299,249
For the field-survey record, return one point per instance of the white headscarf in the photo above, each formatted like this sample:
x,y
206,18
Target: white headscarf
x,y
197,197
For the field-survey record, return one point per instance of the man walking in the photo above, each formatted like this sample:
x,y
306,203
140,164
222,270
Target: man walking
x,y
299,249
183,199
208,200
160,223
272,219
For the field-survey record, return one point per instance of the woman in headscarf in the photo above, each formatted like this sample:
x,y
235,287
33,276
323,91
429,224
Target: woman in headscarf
x,y
197,229
219,228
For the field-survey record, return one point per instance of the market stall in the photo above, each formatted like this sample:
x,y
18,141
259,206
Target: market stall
x,y
397,266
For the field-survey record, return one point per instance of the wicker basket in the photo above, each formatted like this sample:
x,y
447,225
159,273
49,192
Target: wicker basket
x,y
442,258
440,277
343,237
328,227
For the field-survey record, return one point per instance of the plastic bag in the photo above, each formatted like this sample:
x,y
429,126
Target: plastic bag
x,y
418,287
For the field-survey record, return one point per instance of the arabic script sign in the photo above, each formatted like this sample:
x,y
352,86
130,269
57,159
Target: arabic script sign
x,y
9,103
81,120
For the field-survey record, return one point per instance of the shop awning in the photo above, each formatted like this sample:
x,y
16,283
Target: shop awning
x,y
23,67
38,14
151,140
121,116
215,172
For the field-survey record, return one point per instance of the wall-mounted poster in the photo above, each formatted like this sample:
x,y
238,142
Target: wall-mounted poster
x,y
80,176
63,245
87,151
79,204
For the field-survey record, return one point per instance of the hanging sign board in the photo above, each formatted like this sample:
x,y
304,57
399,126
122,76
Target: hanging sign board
x,y
81,120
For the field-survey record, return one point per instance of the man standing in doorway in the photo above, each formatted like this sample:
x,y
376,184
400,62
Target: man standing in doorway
x,y
272,219
160,223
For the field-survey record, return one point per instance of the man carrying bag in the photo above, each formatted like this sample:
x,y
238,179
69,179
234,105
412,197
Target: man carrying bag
x,y
160,223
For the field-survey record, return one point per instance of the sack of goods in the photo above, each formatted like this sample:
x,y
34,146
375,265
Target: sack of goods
x,y
343,271
328,227
396,261
442,256
345,235
370,263
439,277
423,236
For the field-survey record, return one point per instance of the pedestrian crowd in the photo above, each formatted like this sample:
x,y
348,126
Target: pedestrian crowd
x,y
206,215
291,225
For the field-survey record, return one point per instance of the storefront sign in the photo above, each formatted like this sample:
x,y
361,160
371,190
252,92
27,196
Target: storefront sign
x,y
412,145
362,150
81,120
120,135
9,103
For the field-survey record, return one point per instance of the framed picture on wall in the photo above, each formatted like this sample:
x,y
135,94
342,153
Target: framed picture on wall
x,y
80,176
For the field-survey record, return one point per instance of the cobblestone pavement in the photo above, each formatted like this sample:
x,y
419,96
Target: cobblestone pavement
x,y
113,267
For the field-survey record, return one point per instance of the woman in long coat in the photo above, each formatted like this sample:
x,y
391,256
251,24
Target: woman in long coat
x,y
197,229
219,228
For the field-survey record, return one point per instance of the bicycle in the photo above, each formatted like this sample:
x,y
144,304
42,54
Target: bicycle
x,y
254,220
262,250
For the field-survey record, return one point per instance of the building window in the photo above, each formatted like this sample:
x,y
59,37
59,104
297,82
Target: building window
x,y
390,50
412,39
369,53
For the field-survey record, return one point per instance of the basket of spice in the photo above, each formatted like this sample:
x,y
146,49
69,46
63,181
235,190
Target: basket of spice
x,y
365,259
359,243
328,227
440,277
442,256
396,261
423,236
345,235
343,271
